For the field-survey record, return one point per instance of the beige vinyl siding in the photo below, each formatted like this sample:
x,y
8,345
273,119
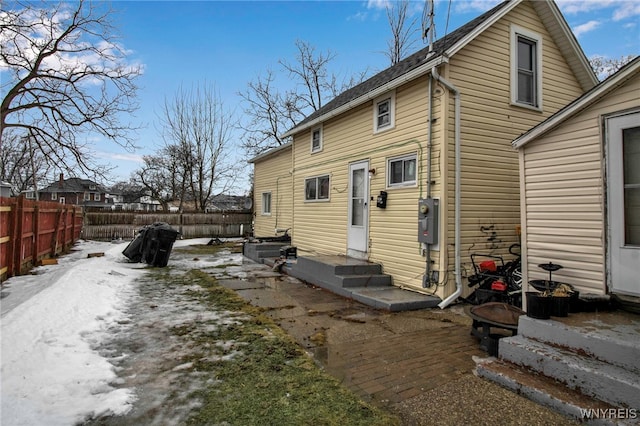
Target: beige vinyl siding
x,y
490,205
564,200
272,174
321,227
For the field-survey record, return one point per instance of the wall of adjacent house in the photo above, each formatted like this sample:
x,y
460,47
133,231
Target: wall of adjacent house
x,y
321,227
490,198
564,195
272,174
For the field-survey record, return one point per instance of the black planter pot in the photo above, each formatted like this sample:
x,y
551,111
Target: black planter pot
x,y
560,306
574,302
538,305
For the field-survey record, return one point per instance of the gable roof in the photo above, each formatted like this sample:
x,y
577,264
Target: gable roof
x,y
423,61
72,185
592,96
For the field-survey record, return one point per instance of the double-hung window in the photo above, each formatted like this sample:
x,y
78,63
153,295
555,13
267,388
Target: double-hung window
x,y
316,140
526,72
384,113
316,188
402,171
266,203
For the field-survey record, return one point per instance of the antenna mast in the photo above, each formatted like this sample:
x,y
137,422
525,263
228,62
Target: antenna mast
x,y
428,23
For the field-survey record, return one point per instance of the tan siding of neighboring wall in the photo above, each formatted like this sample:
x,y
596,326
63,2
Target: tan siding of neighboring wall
x,y
564,200
489,170
272,174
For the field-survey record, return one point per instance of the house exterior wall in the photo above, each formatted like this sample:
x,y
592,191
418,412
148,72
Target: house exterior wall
x,y
320,227
563,203
490,203
273,175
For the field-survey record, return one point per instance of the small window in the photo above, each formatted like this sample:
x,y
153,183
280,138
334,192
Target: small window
x,y
526,78
316,140
87,196
96,196
266,203
62,200
384,113
30,195
54,196
316,188
92,187
402,171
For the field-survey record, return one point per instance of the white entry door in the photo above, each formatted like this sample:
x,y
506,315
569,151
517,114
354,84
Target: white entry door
x,y
623,186
358,226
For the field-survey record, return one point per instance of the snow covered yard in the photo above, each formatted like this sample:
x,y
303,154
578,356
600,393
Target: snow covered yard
x,y
60,329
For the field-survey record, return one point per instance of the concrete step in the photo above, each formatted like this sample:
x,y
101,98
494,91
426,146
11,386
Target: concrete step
x,y
393,299
551,393
596,378
373,280
339,265
616,342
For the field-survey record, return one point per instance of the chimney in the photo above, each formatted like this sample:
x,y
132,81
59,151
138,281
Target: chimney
x,y
61,181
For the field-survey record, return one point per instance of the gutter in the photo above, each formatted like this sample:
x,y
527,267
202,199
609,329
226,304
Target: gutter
x,y
458,273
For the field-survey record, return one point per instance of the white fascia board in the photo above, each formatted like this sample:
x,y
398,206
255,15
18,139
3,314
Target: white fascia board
x,y
391,85
269,153
480,28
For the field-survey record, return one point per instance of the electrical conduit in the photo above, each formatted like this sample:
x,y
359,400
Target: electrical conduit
x,y
446,302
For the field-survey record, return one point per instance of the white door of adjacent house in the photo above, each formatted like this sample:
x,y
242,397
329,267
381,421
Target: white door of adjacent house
x,y
623,191
358,226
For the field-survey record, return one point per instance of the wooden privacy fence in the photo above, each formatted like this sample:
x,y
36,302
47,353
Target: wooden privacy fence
x,y
33,230
125,225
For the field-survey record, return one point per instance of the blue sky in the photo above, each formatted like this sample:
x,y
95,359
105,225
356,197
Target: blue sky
x,y
229,44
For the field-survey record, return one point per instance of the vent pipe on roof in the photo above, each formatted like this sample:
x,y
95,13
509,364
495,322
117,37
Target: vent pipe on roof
x,y
458,273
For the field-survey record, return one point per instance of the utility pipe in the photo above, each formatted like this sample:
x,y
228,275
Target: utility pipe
x,y
427,278
458,272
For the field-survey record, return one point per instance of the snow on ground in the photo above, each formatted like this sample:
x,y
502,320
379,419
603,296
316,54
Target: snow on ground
x,y
50,374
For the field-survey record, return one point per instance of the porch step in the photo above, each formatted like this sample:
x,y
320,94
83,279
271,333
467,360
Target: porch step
x,y
593,377
547,392
359,280
608,336
258,252
590,357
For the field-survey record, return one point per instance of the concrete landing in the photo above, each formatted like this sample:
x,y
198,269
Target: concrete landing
x,y
358,280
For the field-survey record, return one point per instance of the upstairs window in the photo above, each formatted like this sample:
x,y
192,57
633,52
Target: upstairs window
x,y
54,196
316,188
526,73
402,171
96,196
87,196
316,140
384,113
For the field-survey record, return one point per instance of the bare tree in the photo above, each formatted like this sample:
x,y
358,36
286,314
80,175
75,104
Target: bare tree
x,y
197,131
21,165
162,177
403,30
273,110
604,67
64,75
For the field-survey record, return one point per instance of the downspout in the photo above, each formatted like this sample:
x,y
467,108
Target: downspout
x,y
426,282
458,272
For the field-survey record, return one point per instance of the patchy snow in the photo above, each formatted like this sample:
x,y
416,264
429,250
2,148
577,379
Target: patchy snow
x,y
50,373
83,339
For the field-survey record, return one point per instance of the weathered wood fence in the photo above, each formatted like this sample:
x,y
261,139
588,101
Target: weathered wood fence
x,y
31,231
125,225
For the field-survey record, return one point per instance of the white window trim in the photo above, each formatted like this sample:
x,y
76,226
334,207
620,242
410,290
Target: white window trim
x,y
318,128
30,195
264,212
86,196
317,200
409,184
54,196
392,112
516,32
96,196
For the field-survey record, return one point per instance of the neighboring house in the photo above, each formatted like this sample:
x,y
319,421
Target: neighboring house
x,y
134,202
580,186
226,202
429,136
82,192
273,206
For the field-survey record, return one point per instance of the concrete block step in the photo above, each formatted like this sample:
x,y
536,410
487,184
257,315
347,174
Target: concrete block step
x,y
610,383
616,344
393,299
377,280
338,265
550,393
